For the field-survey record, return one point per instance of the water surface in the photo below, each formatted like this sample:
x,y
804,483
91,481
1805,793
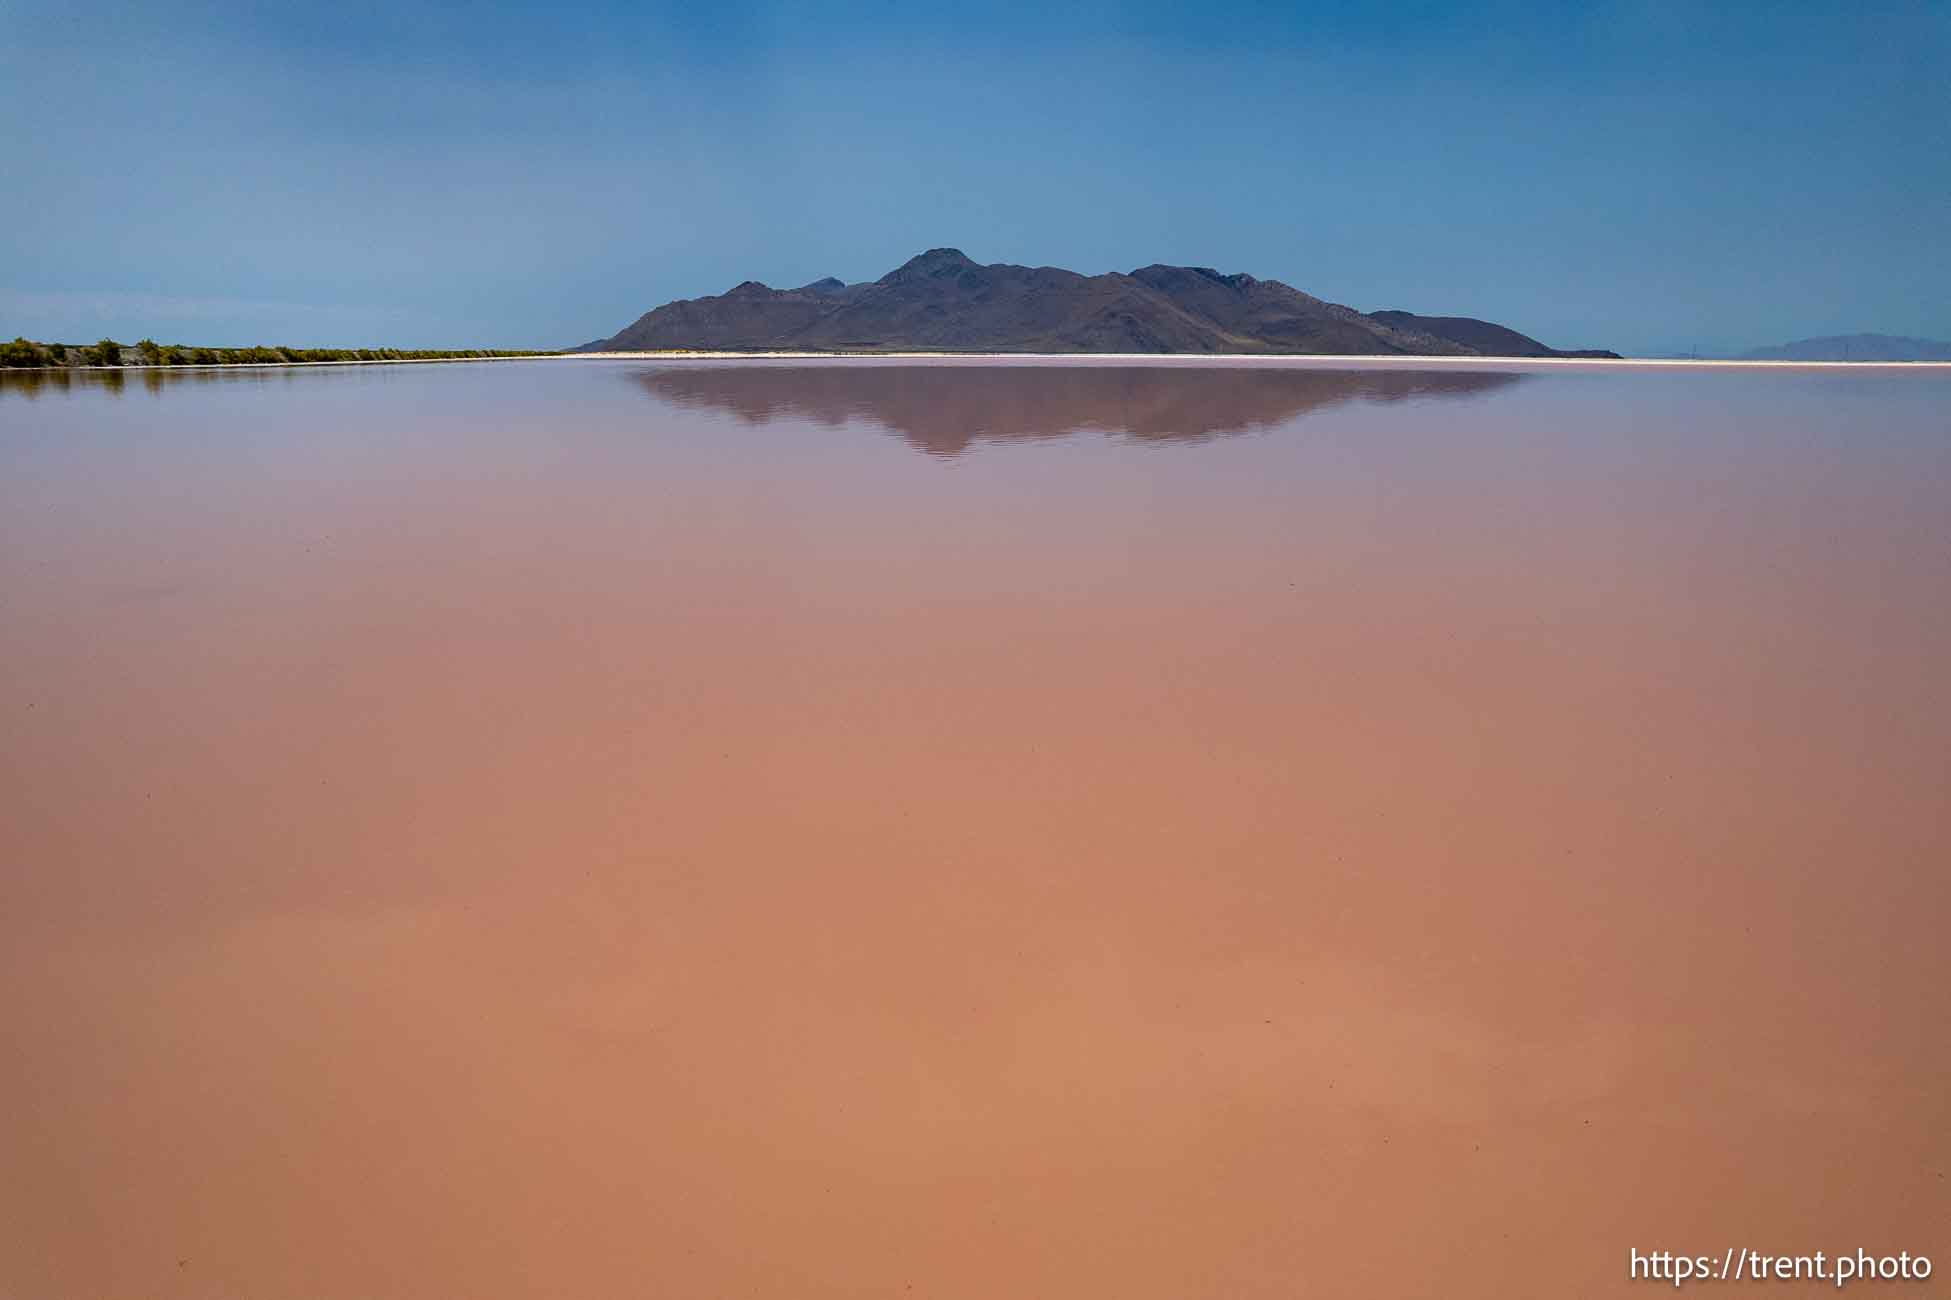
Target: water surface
x,y
971,830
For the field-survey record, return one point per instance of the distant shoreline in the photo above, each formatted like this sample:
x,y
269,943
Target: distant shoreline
x,y
1071,358
1258,358
147,354
145,368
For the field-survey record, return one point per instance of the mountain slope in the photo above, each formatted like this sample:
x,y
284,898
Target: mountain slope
x,y
943,301
1486,337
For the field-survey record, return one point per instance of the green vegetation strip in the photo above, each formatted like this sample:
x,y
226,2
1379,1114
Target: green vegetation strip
x,y
26,354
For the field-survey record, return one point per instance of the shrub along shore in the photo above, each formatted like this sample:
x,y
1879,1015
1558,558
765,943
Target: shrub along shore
x,y
27,354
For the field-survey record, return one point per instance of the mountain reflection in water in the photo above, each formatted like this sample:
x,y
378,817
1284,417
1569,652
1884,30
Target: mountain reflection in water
x,y
942,409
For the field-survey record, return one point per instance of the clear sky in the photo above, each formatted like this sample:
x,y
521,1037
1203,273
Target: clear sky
x,y
1639,174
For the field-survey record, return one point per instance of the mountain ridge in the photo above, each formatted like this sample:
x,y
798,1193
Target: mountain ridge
x,y
942,300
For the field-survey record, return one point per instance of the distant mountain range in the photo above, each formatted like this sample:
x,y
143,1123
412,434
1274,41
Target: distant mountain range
x,y
1854,347
941,301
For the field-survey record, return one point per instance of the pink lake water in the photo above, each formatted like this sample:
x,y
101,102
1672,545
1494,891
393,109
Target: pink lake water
x,y
970,829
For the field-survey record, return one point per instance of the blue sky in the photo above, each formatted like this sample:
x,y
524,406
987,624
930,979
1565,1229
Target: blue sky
x,y
1642,175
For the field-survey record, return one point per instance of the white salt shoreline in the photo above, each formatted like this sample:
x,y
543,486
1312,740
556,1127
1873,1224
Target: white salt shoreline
x,y
1254,358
